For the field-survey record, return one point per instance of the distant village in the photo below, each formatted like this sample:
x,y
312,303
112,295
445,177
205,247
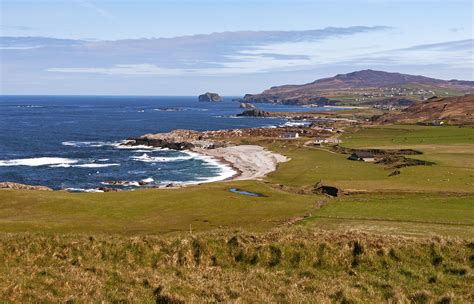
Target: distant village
x,y
395,92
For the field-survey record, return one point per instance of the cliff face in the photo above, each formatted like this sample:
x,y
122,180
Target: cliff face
x,y
452,110
210,97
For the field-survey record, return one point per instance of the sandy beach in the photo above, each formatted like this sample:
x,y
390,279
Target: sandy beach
x,y
251,161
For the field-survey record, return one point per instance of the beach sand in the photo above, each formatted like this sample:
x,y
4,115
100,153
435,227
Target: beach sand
x,y
250,161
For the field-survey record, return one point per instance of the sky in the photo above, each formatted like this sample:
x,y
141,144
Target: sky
x,y
159,47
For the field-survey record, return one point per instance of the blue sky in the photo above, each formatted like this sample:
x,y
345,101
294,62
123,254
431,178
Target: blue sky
x,y
146,47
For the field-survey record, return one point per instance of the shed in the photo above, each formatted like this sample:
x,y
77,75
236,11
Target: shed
x,y
362,156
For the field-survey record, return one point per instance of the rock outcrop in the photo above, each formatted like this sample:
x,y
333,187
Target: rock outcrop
x,y
176,140
255,113
210,97
17,186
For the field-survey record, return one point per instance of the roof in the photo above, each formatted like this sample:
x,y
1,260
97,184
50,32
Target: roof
x,y
363,154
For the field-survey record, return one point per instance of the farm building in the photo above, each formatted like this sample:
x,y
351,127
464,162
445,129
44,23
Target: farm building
x,y
362,156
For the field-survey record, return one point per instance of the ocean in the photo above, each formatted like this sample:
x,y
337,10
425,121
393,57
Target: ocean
x,y
72,142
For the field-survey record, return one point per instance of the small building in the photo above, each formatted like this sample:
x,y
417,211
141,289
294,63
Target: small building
x,y
331,140
362,156
290,135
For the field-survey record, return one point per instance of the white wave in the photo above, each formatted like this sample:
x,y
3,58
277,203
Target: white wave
x,y
94,144
296,124
83,190
61,166
29,106
141,147
225,171
95,165
122,183
147,180
154,159
39,161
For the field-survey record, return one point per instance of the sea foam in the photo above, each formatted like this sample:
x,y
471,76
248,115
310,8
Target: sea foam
x,y
39,161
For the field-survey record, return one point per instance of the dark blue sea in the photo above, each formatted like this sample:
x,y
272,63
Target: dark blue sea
x,y
72,142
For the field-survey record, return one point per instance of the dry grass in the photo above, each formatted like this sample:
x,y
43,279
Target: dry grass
x,y
296,264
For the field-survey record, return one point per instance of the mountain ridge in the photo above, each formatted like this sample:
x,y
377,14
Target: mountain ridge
x,y
365,83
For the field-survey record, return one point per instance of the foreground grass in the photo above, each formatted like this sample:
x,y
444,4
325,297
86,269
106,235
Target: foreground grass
x,y
285,265
204,207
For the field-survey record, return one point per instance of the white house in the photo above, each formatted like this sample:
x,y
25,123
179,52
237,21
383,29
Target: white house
x,y
289,135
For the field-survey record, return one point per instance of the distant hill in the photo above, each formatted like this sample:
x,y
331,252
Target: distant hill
x,y
452,110
366,86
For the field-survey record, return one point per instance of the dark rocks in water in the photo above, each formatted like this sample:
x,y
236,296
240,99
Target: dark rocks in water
x,y
254,113
244,105
210,97
160,143
17,186
108,189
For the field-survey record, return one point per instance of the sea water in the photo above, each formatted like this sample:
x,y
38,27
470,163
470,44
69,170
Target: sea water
x,y
73,142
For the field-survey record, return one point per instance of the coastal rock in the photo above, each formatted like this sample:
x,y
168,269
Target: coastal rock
x,y
254,113
10,185
160,143
177,140
108,189
244,105
210,97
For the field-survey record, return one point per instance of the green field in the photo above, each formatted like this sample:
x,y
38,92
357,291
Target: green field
x,y
204,207
416,230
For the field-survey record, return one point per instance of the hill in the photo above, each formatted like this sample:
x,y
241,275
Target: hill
x,y
453,110
363,87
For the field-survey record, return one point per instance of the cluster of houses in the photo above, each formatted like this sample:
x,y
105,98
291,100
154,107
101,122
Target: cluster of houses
x,y
357,156
317,141
394,92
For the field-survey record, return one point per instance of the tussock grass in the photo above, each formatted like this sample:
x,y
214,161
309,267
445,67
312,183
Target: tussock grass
x,y
285,265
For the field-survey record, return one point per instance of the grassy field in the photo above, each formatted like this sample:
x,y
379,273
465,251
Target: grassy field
x,y
292,265
405,238
205,207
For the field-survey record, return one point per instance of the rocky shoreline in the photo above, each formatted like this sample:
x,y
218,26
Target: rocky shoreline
x,y
247,161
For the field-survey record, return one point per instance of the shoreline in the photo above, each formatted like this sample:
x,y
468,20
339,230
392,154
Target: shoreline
x,y
250,162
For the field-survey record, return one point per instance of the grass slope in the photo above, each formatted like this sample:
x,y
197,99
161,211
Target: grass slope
x,y
204,207
287,265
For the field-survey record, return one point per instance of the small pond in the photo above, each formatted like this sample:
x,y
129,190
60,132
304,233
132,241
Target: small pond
x,y
236,190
